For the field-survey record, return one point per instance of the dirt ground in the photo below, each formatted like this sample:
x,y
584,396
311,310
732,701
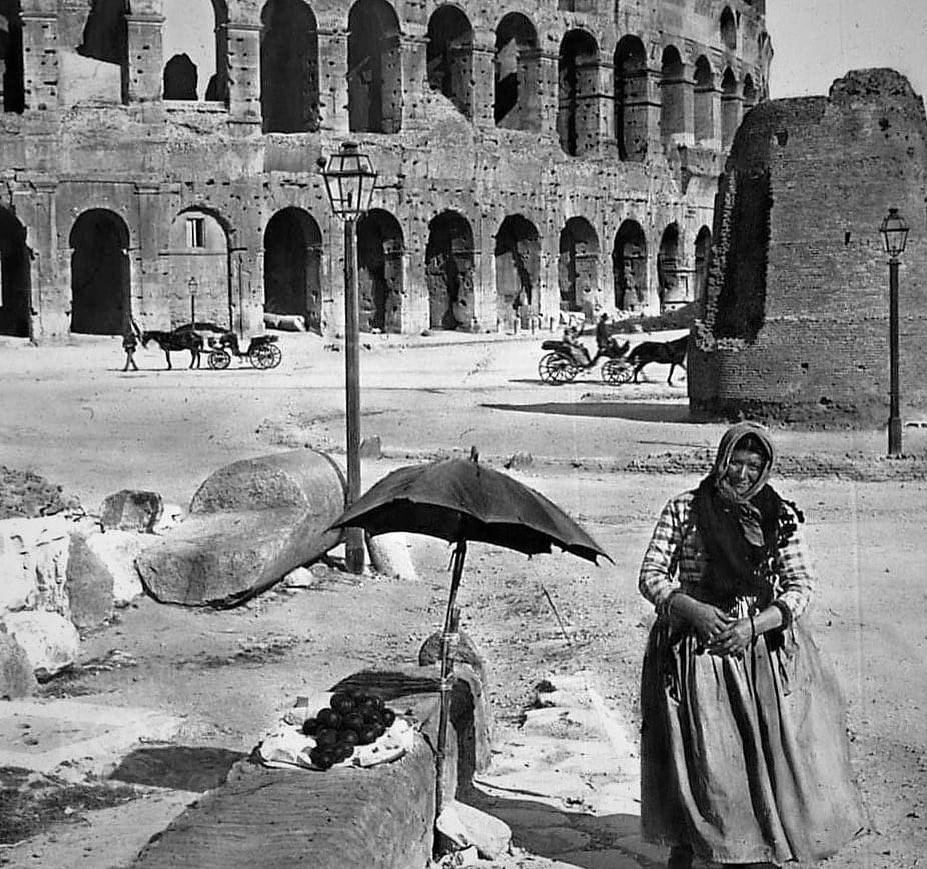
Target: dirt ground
x,y
71,416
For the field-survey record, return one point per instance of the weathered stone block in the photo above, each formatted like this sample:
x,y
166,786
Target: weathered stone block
x,y
90,584
16,676
131,510
49,640
33,563
464,826
389,555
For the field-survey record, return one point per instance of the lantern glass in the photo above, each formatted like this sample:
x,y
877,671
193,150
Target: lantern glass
x,y
894,233
349,180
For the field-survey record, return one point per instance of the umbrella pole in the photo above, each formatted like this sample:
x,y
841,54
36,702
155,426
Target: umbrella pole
x,y
448,646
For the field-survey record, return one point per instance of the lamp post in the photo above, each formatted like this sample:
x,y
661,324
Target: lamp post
x,y
894,232
349,178
192,286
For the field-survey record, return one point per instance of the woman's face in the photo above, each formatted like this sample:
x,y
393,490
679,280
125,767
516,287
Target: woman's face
x,y
744,469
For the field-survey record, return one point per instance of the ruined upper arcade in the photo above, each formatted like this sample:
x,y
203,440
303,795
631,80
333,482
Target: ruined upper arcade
x,y
160,156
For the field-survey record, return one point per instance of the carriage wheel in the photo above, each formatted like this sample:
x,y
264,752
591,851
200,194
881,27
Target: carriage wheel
x,y
265,356
218,359
555,368
616,371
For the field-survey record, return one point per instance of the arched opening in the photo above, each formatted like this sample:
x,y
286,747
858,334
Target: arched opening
x,y
379,271
194,41
374,68
100,287
289,68
672,94
729,29
702,259
749,93
293,266
671,277
106,38
704,100
449,272
450,57
518,269
199,271
15,277
577,116
631,104
518,66
11,56
629,264
730,108
579,265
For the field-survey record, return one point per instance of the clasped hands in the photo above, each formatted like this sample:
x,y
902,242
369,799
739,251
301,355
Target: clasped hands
x,y
720,633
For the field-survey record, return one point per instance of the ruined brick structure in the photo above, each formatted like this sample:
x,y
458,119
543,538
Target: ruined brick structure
x,y
159,157
796,315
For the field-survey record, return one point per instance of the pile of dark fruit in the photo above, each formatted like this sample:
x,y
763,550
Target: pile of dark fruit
x,y
348,721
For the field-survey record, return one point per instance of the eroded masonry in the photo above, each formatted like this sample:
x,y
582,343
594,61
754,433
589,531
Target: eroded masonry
x,y
160,161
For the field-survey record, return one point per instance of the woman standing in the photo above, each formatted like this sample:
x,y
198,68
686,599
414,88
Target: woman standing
x,y
743,746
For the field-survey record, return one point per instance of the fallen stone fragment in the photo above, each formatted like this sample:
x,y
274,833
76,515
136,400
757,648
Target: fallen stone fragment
x,y
33,563
90,585
464,826
50,641
300,577
131,510
171,516
17,678
371,448
390,556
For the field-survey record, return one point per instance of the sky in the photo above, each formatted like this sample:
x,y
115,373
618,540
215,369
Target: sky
x,y
817,41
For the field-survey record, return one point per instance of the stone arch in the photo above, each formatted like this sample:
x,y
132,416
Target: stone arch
x,y
293,266
631,103
577,116
100,281
380,250
106,38
449,272
704,100
450,57
702,260
671,278
15,277
728,28
516,103
578,265
195,43
673,86
200,289
374,68
518,269
629,266
750,95
11,56
730,107
289,67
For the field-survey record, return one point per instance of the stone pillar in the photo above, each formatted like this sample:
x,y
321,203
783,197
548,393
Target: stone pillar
x,y
548,92
244,66
605,104
643,112
483,92
731,114
333,82
707,110
150,301
679,129
40,59
413,49
35,207
146,57
484,271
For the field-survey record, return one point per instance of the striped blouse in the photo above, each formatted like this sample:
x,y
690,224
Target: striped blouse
x,y
675,560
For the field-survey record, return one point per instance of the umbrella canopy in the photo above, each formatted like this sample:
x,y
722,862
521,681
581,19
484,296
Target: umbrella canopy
x,y
460,499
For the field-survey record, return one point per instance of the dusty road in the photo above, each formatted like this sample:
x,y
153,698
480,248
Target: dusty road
x,y
69,415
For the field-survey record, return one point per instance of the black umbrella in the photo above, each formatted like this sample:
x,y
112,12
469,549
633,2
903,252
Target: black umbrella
x,y
461,500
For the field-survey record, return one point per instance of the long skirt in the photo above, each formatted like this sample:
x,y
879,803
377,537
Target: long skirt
x,y
745,759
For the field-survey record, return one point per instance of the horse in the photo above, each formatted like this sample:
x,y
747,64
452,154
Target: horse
x,y
670,353
174,341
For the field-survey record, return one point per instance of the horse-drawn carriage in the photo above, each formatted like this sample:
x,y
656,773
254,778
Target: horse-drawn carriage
x,y
219,345
565,360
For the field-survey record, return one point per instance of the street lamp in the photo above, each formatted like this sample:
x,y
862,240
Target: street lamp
x,y
349,178
894,235
192,286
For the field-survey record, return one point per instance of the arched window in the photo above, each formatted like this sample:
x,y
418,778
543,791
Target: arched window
x,y
518,269
631,103
199,270
670,279
289,68
374,68
729,29
579,265
730,108
702,259
518,65
629,265
106,38
449,264
577,118
11,56
380,271
100,293
749,93
292,266
195,43
450,57
704,100
672,94
15,277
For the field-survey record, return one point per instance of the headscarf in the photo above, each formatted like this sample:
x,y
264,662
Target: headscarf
x,y
739,531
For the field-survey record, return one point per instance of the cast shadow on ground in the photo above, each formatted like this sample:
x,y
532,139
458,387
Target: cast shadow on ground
x,y
179,767
571,838
642,411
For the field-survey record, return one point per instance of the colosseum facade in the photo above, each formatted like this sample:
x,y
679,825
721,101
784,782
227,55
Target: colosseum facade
x,y
160,158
